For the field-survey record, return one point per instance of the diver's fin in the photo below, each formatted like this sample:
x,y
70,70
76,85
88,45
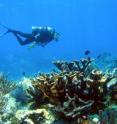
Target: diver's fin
x,y
8,30
5,33
4,26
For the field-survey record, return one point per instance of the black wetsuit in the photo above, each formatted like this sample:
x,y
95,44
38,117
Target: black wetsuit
x,y
41,36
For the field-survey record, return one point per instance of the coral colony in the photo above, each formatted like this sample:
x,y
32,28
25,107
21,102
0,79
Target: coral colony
x,y
77,93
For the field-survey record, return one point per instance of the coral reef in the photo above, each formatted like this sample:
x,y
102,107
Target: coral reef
x,y
2,104
73,66
39,116
6,86
8,110
76,91
7,103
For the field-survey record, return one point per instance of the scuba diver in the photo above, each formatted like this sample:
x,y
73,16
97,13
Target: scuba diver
x,y
40,36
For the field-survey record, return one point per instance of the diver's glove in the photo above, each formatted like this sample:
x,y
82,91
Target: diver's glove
x,y
56,36
32,45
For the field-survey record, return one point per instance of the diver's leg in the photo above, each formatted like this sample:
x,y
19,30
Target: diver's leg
x,y
25,35
23,42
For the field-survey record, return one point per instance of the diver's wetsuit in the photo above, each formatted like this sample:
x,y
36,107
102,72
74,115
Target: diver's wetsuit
x,y
18,35
40,35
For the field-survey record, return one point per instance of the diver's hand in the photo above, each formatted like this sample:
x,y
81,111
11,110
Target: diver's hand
x,y
32,45
56,36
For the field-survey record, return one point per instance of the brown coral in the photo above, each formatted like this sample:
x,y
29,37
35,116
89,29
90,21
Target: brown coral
x,y
76,90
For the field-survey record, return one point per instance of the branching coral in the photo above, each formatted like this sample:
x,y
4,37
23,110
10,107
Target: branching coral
x,y
73,66
2,104
6,85
113,93
35,97
75,91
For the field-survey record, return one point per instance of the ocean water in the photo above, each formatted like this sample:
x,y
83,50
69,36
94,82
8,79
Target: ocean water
x,y
82,24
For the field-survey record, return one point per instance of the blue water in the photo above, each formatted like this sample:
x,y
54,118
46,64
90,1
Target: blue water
x,y
82,24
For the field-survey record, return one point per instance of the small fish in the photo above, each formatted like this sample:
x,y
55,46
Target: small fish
x,y
23,73
99,56
87,52
115,60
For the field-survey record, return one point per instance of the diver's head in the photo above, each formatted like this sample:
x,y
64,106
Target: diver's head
x,y
53,33
56,36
